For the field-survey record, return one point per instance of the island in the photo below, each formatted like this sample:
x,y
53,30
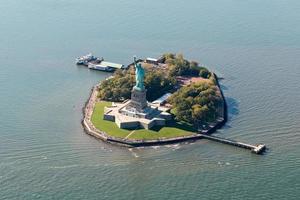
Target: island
x,y
156,101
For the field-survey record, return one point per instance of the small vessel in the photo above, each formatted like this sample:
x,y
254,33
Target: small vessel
x,y
84,60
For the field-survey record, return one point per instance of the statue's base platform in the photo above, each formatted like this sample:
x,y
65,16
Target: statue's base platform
x,y
128,117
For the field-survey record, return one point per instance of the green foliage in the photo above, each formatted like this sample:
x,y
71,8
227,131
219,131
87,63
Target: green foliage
x,y
193,64
167,56
196,103
178,66
158,84
119,87
213,78
204,73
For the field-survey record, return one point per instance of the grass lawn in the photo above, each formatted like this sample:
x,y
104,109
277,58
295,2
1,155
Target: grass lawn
x,y
173,129
109,127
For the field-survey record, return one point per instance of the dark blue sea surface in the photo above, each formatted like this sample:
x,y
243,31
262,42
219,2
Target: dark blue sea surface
x,y
44,153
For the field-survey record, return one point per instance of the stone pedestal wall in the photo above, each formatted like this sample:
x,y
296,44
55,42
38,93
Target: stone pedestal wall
x,y
138,99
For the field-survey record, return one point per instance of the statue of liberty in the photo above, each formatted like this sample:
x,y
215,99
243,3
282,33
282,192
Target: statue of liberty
x,y
139,75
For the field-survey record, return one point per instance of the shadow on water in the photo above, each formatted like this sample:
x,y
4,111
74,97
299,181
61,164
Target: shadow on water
x,y
233,107
223,87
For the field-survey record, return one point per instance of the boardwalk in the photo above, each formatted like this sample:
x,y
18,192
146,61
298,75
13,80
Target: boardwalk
x,y
254,148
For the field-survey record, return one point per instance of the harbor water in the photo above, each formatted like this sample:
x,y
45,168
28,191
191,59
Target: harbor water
x,y
44,152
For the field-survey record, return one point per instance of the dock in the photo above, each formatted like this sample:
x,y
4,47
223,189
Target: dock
x,y
93,62
258,149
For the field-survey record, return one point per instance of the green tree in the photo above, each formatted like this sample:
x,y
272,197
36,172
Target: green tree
x,y
179,66
204,73
119,87
196,103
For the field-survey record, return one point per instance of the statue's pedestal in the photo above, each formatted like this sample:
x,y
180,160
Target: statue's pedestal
x,y
138,99
137,112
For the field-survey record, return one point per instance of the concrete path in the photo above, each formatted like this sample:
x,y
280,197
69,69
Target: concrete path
x,y
130,134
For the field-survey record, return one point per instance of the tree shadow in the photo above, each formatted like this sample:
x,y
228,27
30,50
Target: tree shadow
x,y
232,107
223,87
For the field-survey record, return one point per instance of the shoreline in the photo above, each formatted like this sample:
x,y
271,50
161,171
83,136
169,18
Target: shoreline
x,y
91,130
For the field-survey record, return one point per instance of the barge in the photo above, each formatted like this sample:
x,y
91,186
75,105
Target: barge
x,y
106,66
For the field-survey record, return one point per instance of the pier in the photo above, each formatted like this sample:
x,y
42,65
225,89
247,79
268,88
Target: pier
x,y
258,149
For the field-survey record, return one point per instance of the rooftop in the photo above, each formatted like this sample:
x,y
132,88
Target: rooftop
x,y
152,59
110,64
162,99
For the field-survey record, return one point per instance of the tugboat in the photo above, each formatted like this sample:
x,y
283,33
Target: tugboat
x,y
84,60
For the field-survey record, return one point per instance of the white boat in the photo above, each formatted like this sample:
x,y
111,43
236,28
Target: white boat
x,y
84,60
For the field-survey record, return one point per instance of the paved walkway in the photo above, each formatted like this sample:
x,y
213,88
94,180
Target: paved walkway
x,y
130,134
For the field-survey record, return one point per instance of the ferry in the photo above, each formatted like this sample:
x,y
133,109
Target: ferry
x,y
84,60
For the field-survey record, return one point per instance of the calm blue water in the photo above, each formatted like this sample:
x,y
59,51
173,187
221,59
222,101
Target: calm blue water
x,y
44,153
